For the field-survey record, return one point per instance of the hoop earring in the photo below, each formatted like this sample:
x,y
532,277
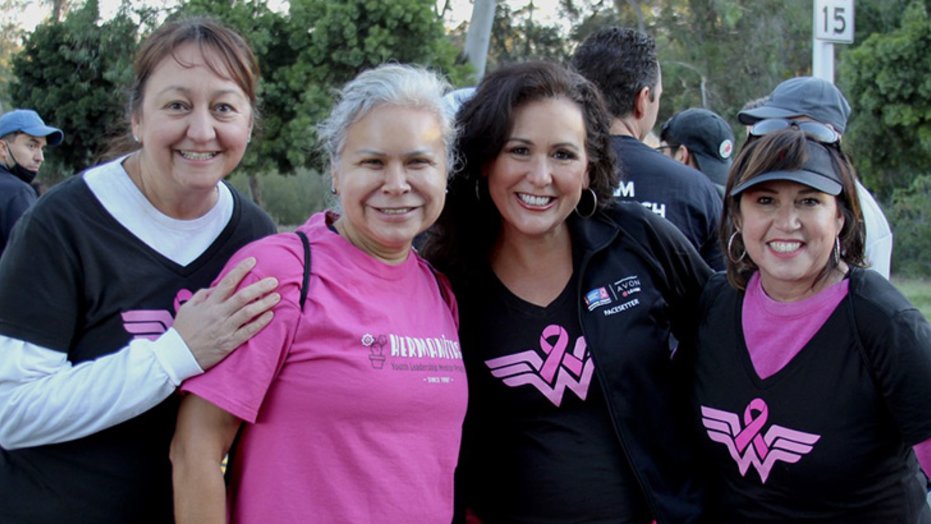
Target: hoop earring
x,y
588,210
730,251
478,189
836,251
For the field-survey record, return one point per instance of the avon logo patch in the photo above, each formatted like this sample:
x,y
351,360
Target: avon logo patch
x,y
552,372
621,292
749,445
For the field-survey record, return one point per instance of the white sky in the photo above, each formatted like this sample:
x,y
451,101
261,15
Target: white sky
x,y
37,10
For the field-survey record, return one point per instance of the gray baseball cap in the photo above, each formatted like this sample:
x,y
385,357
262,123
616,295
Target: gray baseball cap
x,y
808,96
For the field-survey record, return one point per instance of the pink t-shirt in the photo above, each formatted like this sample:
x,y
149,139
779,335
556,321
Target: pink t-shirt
x,y
354,407
776,331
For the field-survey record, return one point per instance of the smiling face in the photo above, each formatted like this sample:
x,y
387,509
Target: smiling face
x,y
538,176
193,125
391,180
789,231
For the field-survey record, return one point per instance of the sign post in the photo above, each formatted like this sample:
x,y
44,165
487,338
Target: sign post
x,y
832,23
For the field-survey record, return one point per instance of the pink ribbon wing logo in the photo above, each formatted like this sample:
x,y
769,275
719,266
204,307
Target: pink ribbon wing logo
x,y
554,373
147,323
152,323
748,445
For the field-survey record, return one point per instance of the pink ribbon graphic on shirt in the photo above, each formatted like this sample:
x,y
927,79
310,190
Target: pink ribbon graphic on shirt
x,y
552,375
778,443
753,427
152,323
556,352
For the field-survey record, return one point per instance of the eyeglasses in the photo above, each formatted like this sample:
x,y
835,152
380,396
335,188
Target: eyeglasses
x,y
814,130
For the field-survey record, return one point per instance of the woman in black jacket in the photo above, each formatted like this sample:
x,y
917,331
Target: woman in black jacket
x,y
569,303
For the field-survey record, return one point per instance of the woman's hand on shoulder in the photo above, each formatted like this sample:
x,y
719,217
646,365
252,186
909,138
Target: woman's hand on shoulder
x,y
217,320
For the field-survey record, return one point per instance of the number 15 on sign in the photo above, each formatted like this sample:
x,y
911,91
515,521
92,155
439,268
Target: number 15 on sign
x,y
834,21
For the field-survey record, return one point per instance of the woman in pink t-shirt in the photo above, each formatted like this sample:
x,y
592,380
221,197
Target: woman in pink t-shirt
x,y
811,373
349,406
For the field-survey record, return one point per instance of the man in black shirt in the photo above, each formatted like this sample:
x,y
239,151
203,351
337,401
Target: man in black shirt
x,y
622,63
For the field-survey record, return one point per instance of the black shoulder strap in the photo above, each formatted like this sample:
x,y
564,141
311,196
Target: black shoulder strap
x,y
306,280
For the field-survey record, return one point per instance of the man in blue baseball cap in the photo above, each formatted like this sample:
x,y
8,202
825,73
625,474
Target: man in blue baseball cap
x,y
23,137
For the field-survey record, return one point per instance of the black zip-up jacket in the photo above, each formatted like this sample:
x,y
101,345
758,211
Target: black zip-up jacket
x,y
653,277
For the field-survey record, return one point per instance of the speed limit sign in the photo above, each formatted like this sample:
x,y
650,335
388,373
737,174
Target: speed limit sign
x,y
834,21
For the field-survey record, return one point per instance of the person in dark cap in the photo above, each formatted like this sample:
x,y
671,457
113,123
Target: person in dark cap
x,y
808,96
700,139
817,101
622,63
23,137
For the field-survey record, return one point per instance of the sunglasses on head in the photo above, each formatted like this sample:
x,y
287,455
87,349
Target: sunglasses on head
x,y
814,130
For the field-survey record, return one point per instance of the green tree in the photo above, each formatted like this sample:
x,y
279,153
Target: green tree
x,y
517,36
887,83
69,72
911,216
719,54
716,54
309,53
11,42
9,46
333,41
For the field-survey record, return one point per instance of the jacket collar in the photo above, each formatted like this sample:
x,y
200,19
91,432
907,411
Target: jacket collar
x,y
594,233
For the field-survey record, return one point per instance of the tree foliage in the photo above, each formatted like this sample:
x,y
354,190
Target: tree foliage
x,y
11,36
715,53
71,73
319,45
517,36
889,87
74,72
911,212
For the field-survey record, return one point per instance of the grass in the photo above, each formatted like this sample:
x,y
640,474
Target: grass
x,y
918,292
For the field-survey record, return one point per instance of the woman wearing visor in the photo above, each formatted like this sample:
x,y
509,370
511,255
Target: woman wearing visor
x,y
811,379
878,241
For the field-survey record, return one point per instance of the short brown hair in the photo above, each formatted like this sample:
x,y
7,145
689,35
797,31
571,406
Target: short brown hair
x,y
237,62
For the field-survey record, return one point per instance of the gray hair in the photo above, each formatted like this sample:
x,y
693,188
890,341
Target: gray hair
x,y
394,84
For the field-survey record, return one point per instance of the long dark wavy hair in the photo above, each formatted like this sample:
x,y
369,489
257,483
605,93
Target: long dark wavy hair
x,y
461,240
787,150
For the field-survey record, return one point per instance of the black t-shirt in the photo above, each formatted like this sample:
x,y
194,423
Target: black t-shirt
x,y
673,190
828,437
539,445
70,275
